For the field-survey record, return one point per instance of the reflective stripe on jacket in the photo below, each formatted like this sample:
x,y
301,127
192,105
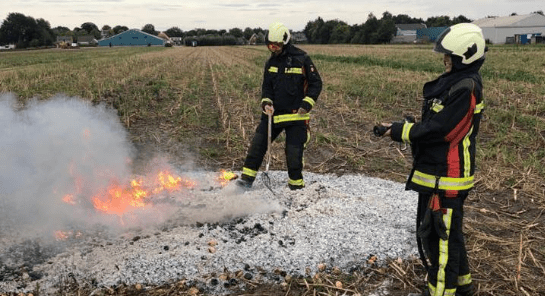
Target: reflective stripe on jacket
x,y
443,143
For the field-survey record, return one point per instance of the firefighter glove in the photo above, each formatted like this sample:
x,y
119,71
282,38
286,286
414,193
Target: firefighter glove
x,y
305,106
433,220
267,108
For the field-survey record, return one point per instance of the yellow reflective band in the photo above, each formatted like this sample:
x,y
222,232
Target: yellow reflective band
x,y
249,172
437,107
443,256
309,100
266,100
467,157
406,131
479,108
445,183
431,288
290,117
294,71
299,182
433,291
273,69
464,280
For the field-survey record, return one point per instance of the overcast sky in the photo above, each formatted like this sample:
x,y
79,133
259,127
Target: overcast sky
x,y
227,14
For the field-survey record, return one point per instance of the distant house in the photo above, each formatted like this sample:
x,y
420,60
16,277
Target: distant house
x,y
299,37
501,30
408,29
429,34
65,39
406,33
177,40
86,40
132,37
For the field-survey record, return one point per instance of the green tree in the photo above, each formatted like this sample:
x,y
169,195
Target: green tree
x,y
89,27
236,32
405,19
61,31
45,34
340,33
118,29
248,33
386,29
175,32
18,29
370,29
460,19
438,21
150,29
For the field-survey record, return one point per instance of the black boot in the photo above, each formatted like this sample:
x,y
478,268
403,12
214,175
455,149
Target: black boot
x,y
244,183
296,187
466,290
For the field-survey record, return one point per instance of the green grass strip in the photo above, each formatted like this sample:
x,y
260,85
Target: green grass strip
x,y
425,66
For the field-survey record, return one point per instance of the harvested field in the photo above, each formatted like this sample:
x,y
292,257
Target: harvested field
x,y
198,107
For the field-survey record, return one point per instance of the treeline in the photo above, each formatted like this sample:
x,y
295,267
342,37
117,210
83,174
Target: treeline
x,y
372,31
25,31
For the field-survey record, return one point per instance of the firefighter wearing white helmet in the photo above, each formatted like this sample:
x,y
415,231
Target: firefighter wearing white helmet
x,y
464,43
278,33
291,86
444,145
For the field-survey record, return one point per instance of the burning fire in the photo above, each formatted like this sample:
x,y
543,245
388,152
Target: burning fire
x,y
119,199
64,235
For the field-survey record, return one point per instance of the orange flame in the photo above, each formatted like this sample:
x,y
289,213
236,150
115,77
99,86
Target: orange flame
x,y
119,200
69,198
64,235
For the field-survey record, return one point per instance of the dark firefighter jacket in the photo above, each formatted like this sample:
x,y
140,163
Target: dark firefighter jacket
x,y
290,81
443,143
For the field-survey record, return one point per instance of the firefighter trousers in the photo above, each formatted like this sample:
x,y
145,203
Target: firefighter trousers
x,y
297,136
449,271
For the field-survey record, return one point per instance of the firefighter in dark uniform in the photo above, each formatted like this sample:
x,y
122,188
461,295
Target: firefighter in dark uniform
x,y
291,86
443,146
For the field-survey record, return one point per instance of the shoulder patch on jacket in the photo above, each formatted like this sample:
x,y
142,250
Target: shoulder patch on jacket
x,y
466,83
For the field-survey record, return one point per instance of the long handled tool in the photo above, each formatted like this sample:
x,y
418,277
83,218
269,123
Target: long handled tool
x,y
265,175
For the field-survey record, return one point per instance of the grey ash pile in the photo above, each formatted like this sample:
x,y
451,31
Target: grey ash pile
x,y
214,233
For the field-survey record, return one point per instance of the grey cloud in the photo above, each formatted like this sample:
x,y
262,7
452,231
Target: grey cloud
x,y
89,11
233,5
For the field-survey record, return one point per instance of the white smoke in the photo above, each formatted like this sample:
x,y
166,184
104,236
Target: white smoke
x,y
66,146
52,148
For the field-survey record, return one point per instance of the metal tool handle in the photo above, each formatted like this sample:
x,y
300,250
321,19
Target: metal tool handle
x,y
269,136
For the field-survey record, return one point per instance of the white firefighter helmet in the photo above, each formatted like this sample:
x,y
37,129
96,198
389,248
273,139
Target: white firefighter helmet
x,y
278,33
464,40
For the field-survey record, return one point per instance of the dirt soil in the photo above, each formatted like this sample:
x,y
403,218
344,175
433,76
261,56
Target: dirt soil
x,y
504,228
504,232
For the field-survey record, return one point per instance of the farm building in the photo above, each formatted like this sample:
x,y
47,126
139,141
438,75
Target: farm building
x,y
86,40
501,30
132,37
406,33
429,34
